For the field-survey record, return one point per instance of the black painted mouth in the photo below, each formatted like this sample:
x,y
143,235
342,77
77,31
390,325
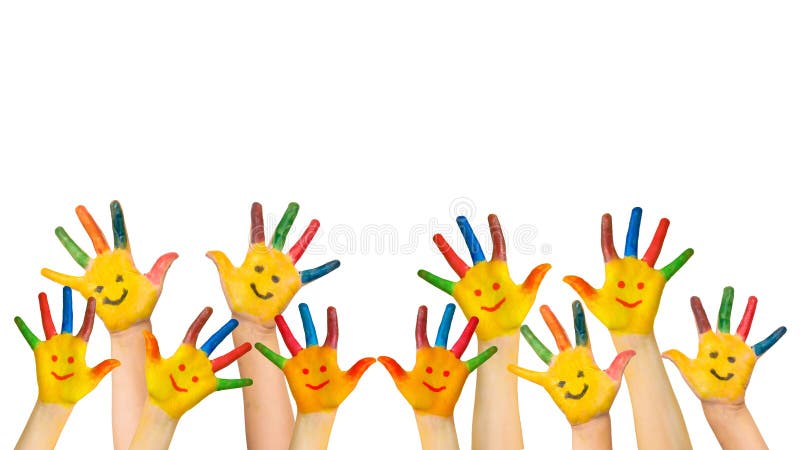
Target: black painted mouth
x,y
266,296
725,378
570,395
108,301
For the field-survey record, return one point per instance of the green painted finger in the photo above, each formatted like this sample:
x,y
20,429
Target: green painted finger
x,y
484,356
670,269
282,230
276,359
724,318
541,350
223,384
30,338
76,252
445,285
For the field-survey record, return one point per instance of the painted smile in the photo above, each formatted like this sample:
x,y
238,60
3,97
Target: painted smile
x,y
495,307
62,377
629,305
266,296
725,378
319,386
108,301
570,395
175,385
434,389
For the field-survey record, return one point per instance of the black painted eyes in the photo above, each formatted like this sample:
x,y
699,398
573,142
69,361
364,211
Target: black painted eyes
x,y
275,279
98,289
119,279
731,359
258,269
580,374
714,355
562,383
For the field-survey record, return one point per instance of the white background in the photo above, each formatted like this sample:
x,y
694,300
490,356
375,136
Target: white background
x,y
399,115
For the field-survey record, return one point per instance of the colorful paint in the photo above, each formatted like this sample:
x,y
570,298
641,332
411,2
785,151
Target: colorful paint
x,y
124,295
178,383
486,290
577,385
267,280
61,370
628,301
434,385
724,363
315,379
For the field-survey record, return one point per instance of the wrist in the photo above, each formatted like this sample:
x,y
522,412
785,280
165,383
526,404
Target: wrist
x,y
436,432
44,426
132,333
312,430
594,434
733,425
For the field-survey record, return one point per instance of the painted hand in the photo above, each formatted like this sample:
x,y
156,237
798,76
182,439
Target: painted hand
x,y
316,381
486,290
267,280
628,301
434,385
61,370
124,295
181,381
580,389
724,362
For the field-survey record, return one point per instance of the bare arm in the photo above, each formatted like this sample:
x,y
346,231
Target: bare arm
x,y
267,412
312,430
496,401
44,426
733,426
128,385
155,429
592,435
656,413
436,432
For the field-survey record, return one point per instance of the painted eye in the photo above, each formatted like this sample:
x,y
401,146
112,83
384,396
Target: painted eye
x,y
323,369
429,369
72,360
496,286
54,358
275,279
98,289
477,292
580,374
640,285
195,379
182,367
446,373
731,359
258,269
119,279
713,354
305,371
621,284
561,383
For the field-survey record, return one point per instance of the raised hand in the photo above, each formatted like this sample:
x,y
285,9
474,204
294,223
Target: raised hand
x,y
178,383
628,301
434,385
486,290
313,373
578,386
124,295
724,363
267,280
61,370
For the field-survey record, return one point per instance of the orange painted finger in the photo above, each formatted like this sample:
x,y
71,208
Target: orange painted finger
x,y
98,240
555,327
151,346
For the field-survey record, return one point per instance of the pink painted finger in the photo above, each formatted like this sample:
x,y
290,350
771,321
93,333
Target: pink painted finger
x,y
651,255
160,267
421,332
88,320
288,338
297,250
225,360
607,239
463,340
47,319
458,265
332,340
618,365
196,326
747,319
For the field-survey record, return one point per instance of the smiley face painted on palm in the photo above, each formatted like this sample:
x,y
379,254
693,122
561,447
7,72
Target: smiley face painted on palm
x,y
177,384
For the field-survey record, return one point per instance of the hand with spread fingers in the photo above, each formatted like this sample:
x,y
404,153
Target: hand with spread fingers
x,y
61,371
577,385
434,385
178,383
720,373
318,385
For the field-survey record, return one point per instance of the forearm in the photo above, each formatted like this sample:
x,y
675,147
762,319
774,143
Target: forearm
x,y
496,402
592,435
44,426
733,426
656,414
312,431
128,384
437,432
155,429
268,415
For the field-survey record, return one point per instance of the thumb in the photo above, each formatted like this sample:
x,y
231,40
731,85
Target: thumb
x,y
358,369
101,370
680,360
531,284
397,372
584,289
224,265
618,365
160,267
530,375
